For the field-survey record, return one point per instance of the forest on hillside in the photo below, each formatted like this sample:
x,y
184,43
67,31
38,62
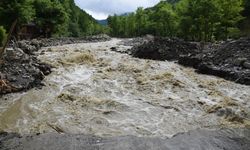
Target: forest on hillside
x,y
196,20
57,17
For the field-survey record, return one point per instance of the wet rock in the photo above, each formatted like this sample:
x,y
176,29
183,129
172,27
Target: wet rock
x,y
229,139
16,54
137,41
164,49
21,71
44,68
70,40
239,61
113,48
36,43
27,47
246,65
191,61
229,60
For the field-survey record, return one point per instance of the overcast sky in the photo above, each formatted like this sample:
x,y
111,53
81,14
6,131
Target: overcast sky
x,y
100,9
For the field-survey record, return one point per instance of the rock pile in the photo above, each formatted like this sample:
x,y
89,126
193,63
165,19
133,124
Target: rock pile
x,y
20,71
164,49
229,60
30,46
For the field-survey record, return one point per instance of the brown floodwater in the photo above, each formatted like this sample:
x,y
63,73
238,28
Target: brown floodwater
x,y
93,90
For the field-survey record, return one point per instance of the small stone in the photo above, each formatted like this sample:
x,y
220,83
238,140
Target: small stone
x,y
246,65
113,48
239,61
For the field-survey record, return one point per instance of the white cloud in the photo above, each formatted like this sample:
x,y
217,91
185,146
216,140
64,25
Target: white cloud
x,y
97,15
100,9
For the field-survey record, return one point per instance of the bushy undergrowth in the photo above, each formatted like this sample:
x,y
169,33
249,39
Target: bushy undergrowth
x,y
2,35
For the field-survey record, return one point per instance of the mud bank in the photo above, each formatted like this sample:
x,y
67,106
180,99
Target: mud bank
x,y
229,60
229,139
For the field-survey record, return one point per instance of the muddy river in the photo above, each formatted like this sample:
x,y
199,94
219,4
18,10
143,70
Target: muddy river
x,y
93,90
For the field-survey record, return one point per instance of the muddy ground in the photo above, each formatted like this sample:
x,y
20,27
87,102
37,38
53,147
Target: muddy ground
x,y
229,59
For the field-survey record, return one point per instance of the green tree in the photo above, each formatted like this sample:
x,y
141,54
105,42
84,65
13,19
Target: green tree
x,y
2,35
246,11
141,21
230,11
245,24
10,10
114,24
50,16
130,25
207,20
198,19
165,20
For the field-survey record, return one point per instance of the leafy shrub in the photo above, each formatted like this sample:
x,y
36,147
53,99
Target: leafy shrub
x,y
2,35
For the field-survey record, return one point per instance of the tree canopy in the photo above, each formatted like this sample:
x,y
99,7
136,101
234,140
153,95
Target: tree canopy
x,y
15,9
245,24
55,17
199,20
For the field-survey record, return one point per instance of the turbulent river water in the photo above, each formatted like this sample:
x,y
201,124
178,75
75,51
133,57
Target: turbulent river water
x,y
93,90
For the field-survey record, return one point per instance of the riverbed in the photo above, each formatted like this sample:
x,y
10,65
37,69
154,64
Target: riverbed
x,y
94,90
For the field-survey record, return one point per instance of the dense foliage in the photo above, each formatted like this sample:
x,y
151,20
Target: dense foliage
x,y
200,20
245,24
54,17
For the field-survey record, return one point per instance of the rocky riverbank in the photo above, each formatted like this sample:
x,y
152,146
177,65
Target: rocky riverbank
x,y
229,139
229,60
109,99
21,70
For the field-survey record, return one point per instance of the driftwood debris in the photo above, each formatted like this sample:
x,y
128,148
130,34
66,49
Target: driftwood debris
x,y
6,87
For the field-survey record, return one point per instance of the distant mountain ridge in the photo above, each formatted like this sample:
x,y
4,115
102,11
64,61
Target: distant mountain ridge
x,y
103,22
